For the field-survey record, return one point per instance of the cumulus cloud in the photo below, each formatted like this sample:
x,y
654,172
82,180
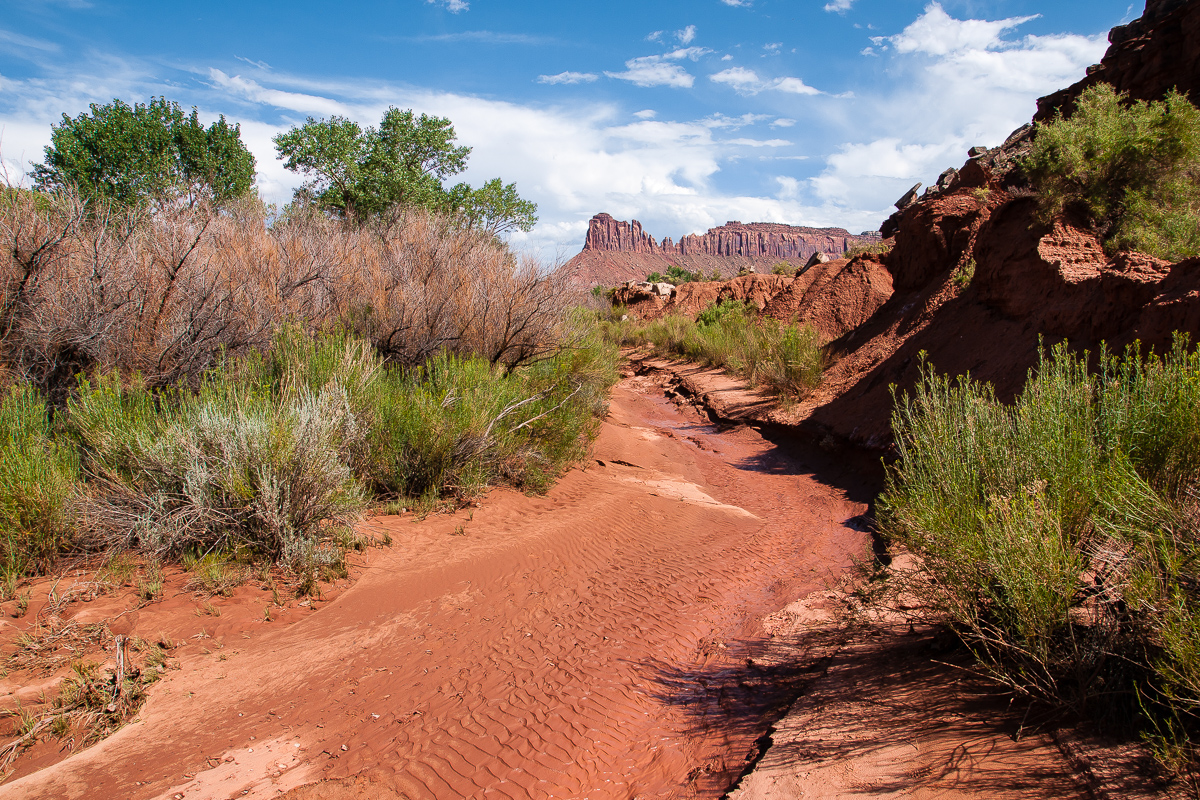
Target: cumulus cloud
x,y
839,6
747,81
646,113
965,83
772,48
453,6
783,122
937,33
737,3
568,77
655,71
686,35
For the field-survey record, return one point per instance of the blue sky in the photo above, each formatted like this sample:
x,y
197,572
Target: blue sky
x,y
681,114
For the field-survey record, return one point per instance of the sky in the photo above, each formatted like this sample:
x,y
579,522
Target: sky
x,y
683,115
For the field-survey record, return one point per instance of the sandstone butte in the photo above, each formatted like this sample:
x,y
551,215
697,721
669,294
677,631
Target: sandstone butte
x,y
616,251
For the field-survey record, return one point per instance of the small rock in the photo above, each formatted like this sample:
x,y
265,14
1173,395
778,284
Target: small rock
x,y
344,747
909,196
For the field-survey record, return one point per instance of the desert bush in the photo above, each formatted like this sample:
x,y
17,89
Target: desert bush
x,y
1058,535
880,248
275,454
784,268
220,468
38,474
458,424
785,357
168,295
676,275
1132,167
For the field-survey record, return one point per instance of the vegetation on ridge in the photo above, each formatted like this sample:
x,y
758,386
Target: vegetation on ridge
x,y
1132,167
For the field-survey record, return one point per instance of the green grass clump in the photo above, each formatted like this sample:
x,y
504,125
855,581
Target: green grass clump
x,y
459,424
1132,167
1060,535
38,475
276,454
785,357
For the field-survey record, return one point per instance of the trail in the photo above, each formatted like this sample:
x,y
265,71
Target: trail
x,y
590,643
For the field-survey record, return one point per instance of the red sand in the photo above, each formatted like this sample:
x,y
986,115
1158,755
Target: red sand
x,y
581,644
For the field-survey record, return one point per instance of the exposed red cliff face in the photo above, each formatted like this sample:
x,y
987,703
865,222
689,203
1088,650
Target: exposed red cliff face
x,y
1155,53
615,251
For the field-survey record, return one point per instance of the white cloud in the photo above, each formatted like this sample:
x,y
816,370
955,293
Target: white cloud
x,y
568,77
772,49
727,57
690,53
747,81
655,36
453,6
783,122
758,142
839,6
737,3
654,71
27,42
646,113
719,120
936,33
737,77
794,86
293,101
686,35
964,85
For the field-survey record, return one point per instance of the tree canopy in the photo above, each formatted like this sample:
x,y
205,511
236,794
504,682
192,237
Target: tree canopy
x,y
133,155
361,172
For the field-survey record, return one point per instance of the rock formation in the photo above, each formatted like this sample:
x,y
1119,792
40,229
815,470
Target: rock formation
x,y
1155,53
616,251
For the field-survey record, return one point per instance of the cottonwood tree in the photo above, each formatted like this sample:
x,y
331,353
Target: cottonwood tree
x,y
145,154
363,173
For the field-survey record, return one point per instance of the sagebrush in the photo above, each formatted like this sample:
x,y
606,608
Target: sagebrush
x,y
1060,535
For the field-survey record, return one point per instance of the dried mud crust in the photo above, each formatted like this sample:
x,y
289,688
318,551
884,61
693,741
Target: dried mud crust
x,y
603,640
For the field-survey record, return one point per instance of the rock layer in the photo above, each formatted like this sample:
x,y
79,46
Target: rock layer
x,y
616,251
1155,53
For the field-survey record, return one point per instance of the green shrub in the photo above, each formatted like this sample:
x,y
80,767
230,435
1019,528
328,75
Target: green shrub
x,y
785,357
459,424
224,467
1132,167
1059,535
38,476
784,268
676,275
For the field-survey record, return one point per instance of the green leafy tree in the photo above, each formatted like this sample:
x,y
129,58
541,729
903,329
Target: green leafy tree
x,y
361,172
144,153
358,173
494,207
1132,167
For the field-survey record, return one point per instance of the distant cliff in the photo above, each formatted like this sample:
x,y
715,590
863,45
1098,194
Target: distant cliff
x,y
616,251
